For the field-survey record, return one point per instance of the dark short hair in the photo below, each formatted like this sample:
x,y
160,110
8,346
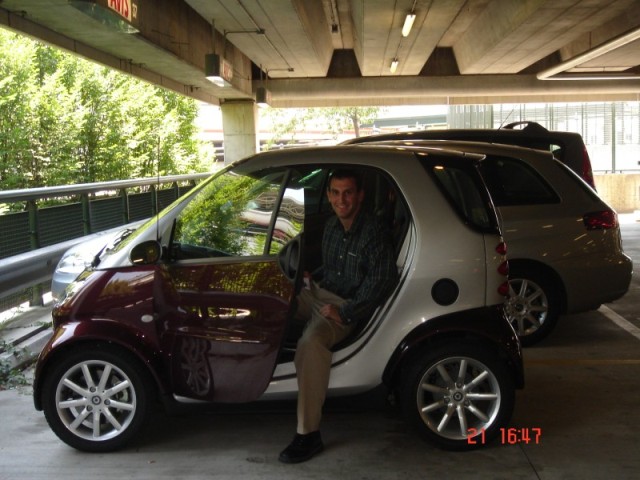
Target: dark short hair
x,y
343,173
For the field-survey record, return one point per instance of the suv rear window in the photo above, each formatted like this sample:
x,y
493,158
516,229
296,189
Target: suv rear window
x,y
463,188
513,182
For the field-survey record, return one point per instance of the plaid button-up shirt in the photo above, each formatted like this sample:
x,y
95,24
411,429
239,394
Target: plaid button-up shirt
x,y
359,265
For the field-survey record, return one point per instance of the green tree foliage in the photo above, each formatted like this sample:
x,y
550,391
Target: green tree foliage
x,y
339,119
64,120
287,123
214,218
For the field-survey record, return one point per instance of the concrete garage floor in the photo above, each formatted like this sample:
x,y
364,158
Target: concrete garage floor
x,y
582,392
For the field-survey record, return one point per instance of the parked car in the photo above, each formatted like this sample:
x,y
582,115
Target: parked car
x,y
195,304
563,239
568,147
83,254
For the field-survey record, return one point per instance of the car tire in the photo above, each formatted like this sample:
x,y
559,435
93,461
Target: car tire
x,y
532,306
458,396
96,399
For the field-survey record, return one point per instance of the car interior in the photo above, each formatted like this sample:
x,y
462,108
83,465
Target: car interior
x,y
384,200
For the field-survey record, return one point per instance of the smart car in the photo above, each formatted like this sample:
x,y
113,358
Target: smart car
x,y
195,305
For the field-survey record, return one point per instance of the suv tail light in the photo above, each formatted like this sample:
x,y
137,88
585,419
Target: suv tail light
x,y
587,172
603,220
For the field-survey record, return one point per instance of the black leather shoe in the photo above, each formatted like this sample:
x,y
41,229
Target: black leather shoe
x,y
302,448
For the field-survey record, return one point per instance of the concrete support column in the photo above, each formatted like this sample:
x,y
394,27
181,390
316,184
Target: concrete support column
x,y
240,128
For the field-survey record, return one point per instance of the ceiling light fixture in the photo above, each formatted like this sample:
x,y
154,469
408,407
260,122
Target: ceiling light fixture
x,y
394,65
217,70
263,97
408,24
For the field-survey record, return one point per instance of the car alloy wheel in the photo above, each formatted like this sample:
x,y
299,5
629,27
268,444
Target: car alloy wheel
x,y
531,306
458,396
96,400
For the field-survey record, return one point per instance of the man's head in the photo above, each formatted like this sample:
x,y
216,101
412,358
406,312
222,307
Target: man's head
x,y
345,195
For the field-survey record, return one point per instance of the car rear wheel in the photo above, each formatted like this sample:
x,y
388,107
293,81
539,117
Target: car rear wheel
x,y
96,399
532,305
458,396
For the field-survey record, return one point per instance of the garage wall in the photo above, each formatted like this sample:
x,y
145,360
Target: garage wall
x,y
621,191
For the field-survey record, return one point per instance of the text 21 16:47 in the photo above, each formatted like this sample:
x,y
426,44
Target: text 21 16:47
x,y
510,436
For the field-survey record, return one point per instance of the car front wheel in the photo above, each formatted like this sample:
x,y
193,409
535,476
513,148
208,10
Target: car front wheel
x,y
458,396
96,399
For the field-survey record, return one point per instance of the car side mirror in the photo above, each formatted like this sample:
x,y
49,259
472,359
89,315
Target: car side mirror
x,y
146,253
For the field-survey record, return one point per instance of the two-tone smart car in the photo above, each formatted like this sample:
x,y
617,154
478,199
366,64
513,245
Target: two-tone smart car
x,y
195,305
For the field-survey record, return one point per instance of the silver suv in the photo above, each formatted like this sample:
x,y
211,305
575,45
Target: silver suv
x,y
568,147
563,239
195,305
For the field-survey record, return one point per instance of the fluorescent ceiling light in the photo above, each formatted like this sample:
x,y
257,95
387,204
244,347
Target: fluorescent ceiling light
x,y
394,65
408,23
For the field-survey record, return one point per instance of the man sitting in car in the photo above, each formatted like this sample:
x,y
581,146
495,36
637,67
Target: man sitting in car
x,y
359,271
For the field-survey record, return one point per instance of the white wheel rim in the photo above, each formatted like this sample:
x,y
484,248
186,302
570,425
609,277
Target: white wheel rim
x,y
458,394
96,400
527,306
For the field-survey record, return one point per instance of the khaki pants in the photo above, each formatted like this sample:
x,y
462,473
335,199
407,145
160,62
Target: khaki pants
x,y
313,354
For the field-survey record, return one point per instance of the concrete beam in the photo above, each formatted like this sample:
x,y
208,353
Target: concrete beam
x,y
316,26
443,90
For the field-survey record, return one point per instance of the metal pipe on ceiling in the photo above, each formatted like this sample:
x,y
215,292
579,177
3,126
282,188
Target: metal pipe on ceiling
x,y
553,73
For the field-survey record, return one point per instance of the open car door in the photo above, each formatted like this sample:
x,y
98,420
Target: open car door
x,y
236,251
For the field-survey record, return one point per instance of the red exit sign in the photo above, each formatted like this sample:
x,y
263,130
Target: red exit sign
x,y
124,8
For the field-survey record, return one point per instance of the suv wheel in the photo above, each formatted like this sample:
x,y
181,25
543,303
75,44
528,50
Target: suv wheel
x,y
96,400
458,396
532,305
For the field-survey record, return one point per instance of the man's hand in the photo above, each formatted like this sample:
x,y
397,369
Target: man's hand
x,y
332,313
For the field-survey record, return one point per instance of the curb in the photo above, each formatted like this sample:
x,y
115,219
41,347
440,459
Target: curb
x,y
24,337
25,352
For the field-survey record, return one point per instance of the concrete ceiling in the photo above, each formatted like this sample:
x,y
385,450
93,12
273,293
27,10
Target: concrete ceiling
x,y
339,52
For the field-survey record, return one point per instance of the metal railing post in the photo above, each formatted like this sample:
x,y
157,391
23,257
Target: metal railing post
x,y
126,215
86,213
34,243
154,199
176,190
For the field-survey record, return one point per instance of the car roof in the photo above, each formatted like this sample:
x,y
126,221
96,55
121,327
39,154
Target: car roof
x,y
356,154
532,133
470,147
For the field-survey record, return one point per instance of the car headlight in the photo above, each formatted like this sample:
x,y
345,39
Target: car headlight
x,y
74,263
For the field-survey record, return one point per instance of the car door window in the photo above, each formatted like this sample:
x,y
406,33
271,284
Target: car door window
x,y
233,217
290,218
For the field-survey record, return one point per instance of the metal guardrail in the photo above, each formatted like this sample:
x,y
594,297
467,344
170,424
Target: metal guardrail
x,y
27,194
25,270
34,268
